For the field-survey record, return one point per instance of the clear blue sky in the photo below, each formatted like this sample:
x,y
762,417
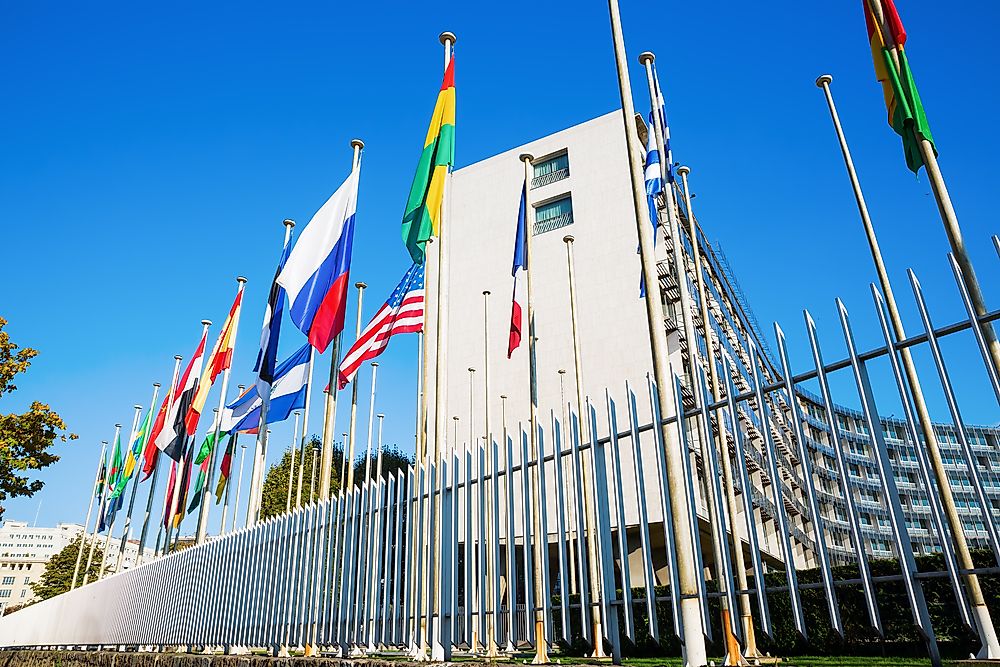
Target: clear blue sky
x,y
148,155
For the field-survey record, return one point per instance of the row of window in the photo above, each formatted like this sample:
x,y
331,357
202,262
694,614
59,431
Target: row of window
x,y
9,581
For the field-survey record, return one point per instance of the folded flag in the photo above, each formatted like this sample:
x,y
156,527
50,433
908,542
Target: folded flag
x,y
422,217
170,440
519,267
138,445
267,357
654,186
151,452
116,464
102,480
403,312
902,101
208,446
199,485
287,395
218,361
225,468
317,273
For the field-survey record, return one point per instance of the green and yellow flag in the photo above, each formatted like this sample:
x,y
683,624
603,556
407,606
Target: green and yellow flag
x,y
906,112
422,218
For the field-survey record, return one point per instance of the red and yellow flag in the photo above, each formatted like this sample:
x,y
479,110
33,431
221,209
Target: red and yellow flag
x,y
219,361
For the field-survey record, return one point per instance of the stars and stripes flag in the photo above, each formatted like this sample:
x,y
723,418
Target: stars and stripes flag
x,y
517,270
403,312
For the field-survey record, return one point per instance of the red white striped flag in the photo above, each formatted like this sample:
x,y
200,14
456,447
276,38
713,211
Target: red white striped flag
x,y
402,313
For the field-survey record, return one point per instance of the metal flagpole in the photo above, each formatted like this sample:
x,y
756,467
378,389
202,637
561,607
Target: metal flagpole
x,y
135,484
305,427
540,531
291,466
948,216
473,565
491,536
354,394
746,615
90,510
984,621
229,481
107,539
260,452
243,450
693,641
178,478
564,419
206,491
100,508
330,403
589,507
156,465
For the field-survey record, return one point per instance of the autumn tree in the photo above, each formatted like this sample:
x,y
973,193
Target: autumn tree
x,y
25,439
58,575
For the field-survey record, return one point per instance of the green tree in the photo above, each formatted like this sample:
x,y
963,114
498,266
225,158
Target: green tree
x,y
25,439
393,460
58,574
274,498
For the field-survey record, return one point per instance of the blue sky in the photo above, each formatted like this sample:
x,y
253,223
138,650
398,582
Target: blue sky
x,y
148,156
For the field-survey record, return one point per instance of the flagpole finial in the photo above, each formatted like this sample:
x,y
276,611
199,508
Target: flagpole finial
x,y
380,416
178,357
569,238
374,364
526,157
137,406
471,369
646,57
361,285
683,170
241,387
241,280
824,80
357,143
447,36
561,371
118,425
206,323
486,292
156,384
288,222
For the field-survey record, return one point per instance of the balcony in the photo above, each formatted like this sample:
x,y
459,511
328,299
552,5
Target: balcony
x,y
551,177
553,223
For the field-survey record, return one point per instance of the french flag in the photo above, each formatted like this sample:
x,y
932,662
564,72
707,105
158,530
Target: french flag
x,y
317,273
520,266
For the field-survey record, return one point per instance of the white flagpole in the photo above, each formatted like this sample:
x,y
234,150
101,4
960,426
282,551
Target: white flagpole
x,y
291,466
107,542
305,427
156,465
90,510
229,481
260,452
354,394
491,621
693,641
203,513
126,531
101,508
239,483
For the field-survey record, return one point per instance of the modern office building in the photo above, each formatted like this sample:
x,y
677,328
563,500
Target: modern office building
x,y
581,186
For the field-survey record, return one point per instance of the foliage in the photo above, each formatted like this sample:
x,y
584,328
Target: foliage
x,y
393,460
25,439
58,575
275,495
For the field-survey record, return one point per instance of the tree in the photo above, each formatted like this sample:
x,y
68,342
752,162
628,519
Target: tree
x,y
393,460
25,439
274,498
58,575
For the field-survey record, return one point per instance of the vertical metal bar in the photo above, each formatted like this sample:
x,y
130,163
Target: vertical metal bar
x,y
481,594
833,608
561,529
511,546
543,551
985,507
649,578
528,552
991,369
467,550
604,532
399,546
904,548
495,502
581,561
617,480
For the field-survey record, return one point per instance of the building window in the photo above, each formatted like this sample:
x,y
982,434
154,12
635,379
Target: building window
x,y
551,170
24,591
5,593
27,580
7,581
553,215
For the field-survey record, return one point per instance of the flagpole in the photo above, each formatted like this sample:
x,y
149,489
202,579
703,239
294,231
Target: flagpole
x,y
305,426
239,483
174,499
945,207
330,407
354,393
291,466
693,641
90,510
156,465
589,506
986,629
135,485
107,539
260,452
203,511
474,593
371,424
746,614
491,631
102,508
225,505
540,530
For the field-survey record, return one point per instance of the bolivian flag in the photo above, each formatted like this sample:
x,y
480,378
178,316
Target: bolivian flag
x,y
906,113
422,218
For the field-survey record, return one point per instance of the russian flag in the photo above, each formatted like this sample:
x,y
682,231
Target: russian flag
x,y
520,266
317,272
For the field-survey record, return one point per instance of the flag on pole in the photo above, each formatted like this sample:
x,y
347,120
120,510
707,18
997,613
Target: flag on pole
x,y
151,452
403,312
208,446
654,186
199,484
267,357
116,464
661,109
422,217
102,479
171,439
288,394
902,101
218,361
317,273
225,468
520,266
135,451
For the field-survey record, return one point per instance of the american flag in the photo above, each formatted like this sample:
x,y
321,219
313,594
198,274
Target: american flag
x,y
402,313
